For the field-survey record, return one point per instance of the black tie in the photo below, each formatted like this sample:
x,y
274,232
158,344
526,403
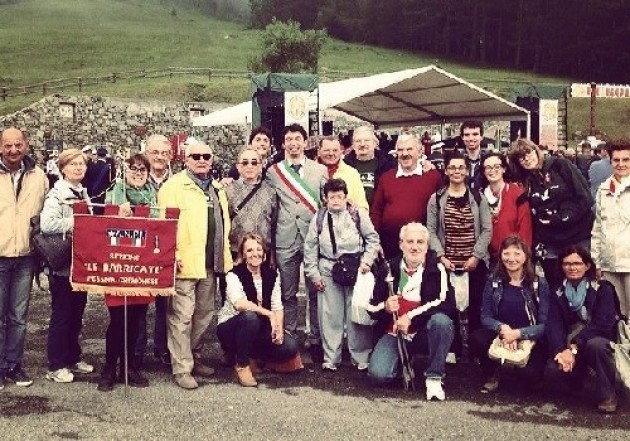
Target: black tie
x,y
296,168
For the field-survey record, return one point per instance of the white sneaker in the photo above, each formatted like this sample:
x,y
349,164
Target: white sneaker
x,y
82,368
451,358
62,375
330,367
363,366
435,389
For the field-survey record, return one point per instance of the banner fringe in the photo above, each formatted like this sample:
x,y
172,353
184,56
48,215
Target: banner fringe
x,y
122,292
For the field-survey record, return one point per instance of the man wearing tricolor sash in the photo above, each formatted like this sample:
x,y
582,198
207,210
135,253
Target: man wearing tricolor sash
x,y
298,182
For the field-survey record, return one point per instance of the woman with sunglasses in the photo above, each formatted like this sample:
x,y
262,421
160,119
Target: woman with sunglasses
x,y
515,306
560,200
252,201
581,326
134,191
507,202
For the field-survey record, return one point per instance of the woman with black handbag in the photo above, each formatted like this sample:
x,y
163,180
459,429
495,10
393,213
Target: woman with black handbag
x,y
341,241
66,317
513,313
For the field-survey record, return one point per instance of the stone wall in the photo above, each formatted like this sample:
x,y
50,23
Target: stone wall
x,y
120,125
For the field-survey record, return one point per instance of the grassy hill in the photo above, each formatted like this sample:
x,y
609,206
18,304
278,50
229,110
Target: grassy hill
x,y
46,39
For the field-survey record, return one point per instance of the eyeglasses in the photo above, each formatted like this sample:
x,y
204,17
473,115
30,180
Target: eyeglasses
x,y
76,164
454,168
198,156
134,169
253,162
495,167
159,153
572,264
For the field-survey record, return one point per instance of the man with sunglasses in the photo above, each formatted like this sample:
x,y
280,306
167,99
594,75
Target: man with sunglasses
x,y
202,251
298,182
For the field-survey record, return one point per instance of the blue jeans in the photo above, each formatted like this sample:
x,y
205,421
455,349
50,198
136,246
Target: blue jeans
x,y
435,339
16,279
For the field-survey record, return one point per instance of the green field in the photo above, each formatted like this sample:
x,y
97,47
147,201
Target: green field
x,y
42,40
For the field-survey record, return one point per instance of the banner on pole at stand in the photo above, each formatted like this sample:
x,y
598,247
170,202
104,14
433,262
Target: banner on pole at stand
x,y
125,256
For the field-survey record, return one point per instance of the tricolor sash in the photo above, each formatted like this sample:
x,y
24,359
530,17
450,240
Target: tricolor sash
x,y
297,185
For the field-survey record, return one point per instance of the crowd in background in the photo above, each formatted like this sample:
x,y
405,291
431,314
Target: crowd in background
x,y
460,230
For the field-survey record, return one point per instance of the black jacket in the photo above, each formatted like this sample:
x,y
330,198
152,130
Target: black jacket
x,y
560,195
430,293
603,312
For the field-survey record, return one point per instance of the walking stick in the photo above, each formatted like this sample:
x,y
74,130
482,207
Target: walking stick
x,y
405,360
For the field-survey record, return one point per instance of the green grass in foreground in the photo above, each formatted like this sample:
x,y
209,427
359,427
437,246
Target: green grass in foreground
x,y
46,39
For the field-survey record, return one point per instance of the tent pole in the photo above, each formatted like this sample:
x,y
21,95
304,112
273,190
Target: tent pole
x,y
528,128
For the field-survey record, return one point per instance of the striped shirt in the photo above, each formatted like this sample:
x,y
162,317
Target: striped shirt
x,y
459,230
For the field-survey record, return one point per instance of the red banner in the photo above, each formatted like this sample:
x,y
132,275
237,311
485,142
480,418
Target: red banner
x,y
123,255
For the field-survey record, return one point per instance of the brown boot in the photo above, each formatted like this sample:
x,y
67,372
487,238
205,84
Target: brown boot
x,y
609,405
245,376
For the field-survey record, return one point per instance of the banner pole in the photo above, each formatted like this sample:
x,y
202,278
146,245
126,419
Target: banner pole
x,y
126,349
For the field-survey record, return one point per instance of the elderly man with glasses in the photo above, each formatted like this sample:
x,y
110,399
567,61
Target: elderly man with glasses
x,y
202,251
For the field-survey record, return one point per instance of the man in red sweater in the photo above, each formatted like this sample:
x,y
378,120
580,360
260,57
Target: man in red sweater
x,y
403,193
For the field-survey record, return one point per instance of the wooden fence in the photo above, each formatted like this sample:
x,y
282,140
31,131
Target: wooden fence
x,y
81,82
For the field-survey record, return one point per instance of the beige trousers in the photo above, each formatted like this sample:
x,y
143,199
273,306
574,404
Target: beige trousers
x,y
189,314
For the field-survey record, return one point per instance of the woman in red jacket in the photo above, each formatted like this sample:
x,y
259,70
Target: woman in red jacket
x,y
508,205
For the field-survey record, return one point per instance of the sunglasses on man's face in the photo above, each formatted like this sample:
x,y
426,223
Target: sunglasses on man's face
x,y
198,156
253,162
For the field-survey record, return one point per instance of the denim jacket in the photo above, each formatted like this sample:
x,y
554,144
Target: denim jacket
x,y
537,309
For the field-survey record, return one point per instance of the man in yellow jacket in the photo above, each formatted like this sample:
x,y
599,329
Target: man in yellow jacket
x,y
202,251
329,153
23,186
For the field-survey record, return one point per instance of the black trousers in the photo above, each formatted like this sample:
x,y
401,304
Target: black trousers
x,y
66,321
480,341
115,335
597,355
476,284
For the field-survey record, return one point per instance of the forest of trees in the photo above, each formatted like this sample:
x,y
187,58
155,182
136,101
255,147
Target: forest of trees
x,y
583,39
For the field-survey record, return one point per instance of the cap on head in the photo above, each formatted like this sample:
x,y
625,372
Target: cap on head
x,y
101,152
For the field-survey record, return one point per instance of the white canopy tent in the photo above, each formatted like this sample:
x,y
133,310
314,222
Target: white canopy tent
x,y
409,97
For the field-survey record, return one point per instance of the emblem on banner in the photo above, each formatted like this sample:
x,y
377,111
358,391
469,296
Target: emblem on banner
x,y
127,238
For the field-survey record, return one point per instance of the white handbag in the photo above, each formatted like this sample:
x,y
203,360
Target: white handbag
x,y
361,296
622,353
460,286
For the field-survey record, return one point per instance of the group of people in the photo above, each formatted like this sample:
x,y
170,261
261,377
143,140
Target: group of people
x,y
460,245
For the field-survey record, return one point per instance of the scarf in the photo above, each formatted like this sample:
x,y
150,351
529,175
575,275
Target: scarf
x,y
204,184
494,201
617,187
576,295
332,169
